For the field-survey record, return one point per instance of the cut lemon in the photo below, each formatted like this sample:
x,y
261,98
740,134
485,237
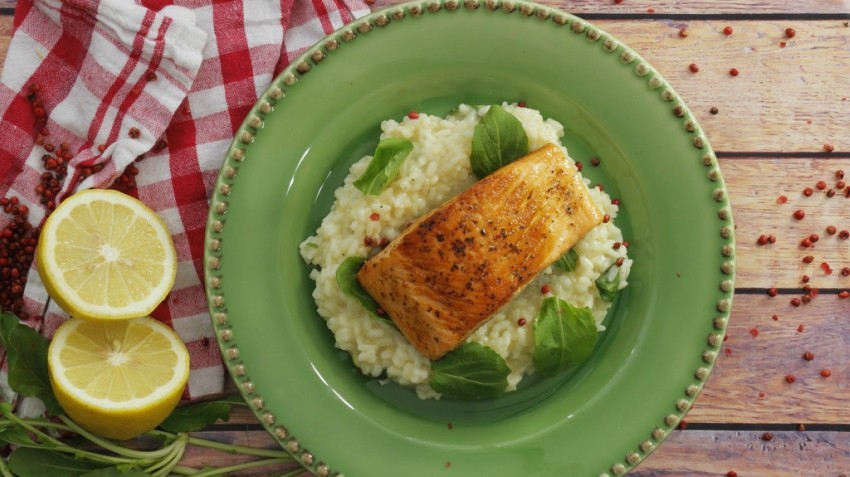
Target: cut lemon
x,y
117,379
105,255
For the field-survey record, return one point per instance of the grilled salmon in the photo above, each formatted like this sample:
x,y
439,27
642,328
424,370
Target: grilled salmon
x,y
449,271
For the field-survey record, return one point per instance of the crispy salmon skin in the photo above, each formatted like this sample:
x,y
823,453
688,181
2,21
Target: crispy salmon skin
x,y
448,272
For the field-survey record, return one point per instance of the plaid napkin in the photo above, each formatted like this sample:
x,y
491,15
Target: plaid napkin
x,y
143,97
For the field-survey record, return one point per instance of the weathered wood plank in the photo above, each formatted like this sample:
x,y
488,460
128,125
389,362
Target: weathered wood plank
x,y
685,453
792,99
755,186
789,99
748,384
714,453
665,7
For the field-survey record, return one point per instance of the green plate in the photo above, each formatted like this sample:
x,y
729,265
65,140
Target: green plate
x,y
323,113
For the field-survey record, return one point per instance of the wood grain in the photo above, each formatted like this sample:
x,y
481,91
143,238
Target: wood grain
x,y
673,7
792,99
755,186
714,453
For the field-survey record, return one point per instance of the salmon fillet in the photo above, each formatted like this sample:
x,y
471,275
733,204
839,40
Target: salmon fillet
x,y
448,272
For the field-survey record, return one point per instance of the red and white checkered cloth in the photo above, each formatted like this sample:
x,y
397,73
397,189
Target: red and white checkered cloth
x,y
182,74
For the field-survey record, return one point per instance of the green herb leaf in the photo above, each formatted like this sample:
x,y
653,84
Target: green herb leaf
x,y
470,371
31,462
384,166
16,435
346,278
26,355
498,139
568,261
564,336
608,284
195,417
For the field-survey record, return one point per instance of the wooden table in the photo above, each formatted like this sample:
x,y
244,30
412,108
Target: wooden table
x,y
771,128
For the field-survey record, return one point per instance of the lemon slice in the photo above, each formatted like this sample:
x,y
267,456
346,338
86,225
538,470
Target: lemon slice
x,y
105,255
117,379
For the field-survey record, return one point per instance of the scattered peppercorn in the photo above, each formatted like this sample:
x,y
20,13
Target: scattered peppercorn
x,y
620,261
594,161
693,67
801,427
727,30
805,279
767,436
579,166
606,218
374,217
808,259
683,32
796,301
773,291
825,373
839,174
714,110
731,473
754,332
790,378
801,328
828,147
134,132
734,72
808,356
799,214
806,242
615,201
845,271
821,185
844,294
413,115
808,191
790,33
781,199
521,322
545,289
814,238
844,235
775,317
831,229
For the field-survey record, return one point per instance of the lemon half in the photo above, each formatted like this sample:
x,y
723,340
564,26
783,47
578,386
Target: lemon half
x,y
117,379
103,254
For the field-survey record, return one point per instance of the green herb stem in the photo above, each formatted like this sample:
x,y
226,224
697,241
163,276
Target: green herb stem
x,y
235,449
165,466
4,469
112,447
247,465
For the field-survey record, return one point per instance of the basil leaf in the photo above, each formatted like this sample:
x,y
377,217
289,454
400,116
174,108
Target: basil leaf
x,y
195,417
32,462
564,336
470,371
608,284
26,356
384,166
346,278
568,261
498,139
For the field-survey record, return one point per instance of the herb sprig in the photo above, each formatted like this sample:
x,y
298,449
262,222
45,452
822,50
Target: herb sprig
x,y
38,451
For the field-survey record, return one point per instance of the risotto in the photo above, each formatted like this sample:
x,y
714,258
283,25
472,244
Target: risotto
x,y
437,169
